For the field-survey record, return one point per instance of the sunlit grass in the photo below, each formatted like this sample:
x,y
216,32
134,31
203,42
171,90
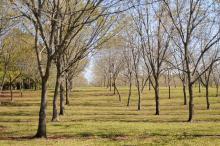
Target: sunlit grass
x,y
96,117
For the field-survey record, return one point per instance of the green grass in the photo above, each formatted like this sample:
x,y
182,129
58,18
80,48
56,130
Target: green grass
x,y
96,118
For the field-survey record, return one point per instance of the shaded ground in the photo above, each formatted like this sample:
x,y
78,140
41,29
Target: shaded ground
x,y
96,117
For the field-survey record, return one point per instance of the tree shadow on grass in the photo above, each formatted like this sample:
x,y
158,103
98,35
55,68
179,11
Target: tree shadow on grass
x,y
115,137
17,138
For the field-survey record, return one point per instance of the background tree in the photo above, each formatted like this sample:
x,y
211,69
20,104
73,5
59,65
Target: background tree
x,y
154,42
55,25
196,18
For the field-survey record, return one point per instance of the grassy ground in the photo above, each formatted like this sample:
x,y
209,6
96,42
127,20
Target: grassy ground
x,y
96,117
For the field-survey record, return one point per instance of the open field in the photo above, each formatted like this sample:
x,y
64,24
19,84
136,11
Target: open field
x,y
96,117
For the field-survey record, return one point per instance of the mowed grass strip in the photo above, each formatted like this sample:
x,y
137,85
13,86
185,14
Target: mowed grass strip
x,y
96,117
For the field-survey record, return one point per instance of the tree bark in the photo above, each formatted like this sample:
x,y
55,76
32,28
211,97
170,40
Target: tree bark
x,y
157,98
67,92
110,83
145,82
191,102
169,83
11,92
61,98
56,91
35,85
119,96
21,86
114,87
169,93
139,92
41,132
207,96
129,92
217,89
184,94
199,86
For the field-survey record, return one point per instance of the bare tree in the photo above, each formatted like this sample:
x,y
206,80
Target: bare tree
x,y
55,25
133,48
129,71
205,78
216,78
188,18
178,61
154,43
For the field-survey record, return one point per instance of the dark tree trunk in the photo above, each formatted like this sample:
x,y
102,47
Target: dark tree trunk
x,y
169,93
21,86
149,84
145,82
114,86
191,102
107,85
29,84
56,91
35,85
217,89
129,92
61,98
157,98
184,94
41,132
110,83
169,83
67,91
199,86
11,92
119,96
207,96
139,93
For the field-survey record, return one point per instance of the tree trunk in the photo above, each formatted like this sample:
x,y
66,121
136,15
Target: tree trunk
x,y
104,81
11,92
41,132
114,87
61,98
110,83
145,82
139,93
129,93
149,84
157,98
199,86
191,102
169,92
35,85
184,94
169,83
207,96
217,89
56,91
119,96
21,86
67,92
